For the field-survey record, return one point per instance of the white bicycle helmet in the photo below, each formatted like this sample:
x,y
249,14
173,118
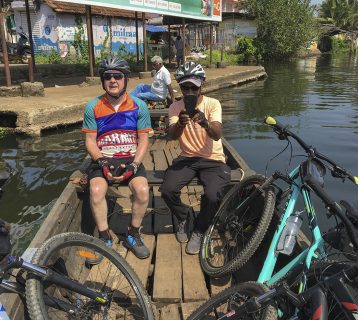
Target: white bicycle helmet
x,y
190,69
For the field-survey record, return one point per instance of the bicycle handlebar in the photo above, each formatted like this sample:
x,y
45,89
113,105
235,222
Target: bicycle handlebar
x,y
282,132
336,171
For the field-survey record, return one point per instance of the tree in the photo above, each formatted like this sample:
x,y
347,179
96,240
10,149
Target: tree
x,y
283,26
342,13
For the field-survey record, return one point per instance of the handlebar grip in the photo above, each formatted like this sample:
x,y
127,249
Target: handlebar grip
x,y
354,180
271,121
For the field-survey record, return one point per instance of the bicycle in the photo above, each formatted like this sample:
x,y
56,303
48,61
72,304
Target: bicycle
x,y
306,177
61,284
329,298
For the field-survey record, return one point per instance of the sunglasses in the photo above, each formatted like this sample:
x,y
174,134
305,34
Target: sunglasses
x,y
116,76
190,88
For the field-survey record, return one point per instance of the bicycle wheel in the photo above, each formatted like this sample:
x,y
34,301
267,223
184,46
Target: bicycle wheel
x,y
228,301
113,278
237,228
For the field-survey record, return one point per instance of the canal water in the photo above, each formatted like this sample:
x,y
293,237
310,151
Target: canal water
x,y
316,97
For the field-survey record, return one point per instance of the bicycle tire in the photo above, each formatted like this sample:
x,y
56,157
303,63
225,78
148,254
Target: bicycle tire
x,y
131,298
230,241
229,299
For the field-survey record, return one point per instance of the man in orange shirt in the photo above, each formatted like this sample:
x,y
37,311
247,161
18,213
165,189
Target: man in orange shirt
x,y
196,122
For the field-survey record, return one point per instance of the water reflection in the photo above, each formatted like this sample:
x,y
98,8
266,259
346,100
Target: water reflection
x,y
317,98
42,167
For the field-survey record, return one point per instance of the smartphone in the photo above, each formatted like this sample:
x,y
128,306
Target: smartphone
x,y
190,102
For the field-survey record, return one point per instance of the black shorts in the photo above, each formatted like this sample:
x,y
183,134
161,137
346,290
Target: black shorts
x,y
95,170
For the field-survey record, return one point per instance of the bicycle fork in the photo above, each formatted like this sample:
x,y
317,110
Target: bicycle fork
x,y
55,278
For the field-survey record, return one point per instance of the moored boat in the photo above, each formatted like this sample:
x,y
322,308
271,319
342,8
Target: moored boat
x,y
173,279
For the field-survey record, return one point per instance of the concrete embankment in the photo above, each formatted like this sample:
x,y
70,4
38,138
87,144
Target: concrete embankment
x,y
63,106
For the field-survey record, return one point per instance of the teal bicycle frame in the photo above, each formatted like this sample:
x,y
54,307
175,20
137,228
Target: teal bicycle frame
x,y
306,256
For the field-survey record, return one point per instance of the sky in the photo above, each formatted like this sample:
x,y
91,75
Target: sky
x,y
316,1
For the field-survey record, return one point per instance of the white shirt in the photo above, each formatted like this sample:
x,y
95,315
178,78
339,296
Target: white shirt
x,y
160,83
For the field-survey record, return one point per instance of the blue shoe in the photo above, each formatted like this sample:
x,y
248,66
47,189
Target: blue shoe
x,y
98,257
135,244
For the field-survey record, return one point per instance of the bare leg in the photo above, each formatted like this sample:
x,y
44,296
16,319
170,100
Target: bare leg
x,y
140,190
98,190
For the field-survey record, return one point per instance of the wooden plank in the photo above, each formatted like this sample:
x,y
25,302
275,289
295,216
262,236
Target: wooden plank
x,y
191,189
175,152
163,222
123,205
199,189
158,144
167,285
194,286
148,161
189,307
184,196
168,155
169,312
60,216
100,272
219,284
194,202
142,266
124,191
160,162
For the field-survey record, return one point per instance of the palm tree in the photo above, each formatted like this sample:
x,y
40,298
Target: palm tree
x,y
342,13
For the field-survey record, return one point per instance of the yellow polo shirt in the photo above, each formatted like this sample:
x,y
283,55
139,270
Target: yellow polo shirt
x,y
195,142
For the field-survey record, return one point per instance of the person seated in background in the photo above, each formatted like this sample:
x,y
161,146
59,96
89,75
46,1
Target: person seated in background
x,y
195,121
160,87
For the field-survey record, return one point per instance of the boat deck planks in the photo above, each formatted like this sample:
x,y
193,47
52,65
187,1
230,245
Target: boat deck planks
x,y
167,286
173,279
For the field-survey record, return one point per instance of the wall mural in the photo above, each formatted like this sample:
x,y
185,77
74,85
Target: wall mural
x,y
56,31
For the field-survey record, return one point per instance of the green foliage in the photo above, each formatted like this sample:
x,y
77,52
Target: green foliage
x,y
229,58
3,132
339,44
283,26
246,49
343,13
54,57
106,51
79,42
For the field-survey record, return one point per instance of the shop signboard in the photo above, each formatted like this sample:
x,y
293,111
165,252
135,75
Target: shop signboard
x,y
208,10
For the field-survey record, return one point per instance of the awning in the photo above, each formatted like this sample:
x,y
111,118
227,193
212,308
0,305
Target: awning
x,y
151,28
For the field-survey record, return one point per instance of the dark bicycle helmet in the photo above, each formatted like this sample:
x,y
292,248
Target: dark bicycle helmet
x,y
190,69
114,63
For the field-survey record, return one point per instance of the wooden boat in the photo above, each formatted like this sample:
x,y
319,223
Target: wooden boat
x,y
168,263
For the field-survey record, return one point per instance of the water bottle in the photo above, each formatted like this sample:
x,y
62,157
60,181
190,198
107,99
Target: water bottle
x,y
289,234
3,314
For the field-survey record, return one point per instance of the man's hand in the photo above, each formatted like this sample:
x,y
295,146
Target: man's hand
x,y
106,168
129,170
183,119
199,117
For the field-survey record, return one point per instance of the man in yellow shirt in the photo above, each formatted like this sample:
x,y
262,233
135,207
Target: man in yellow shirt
x,y
196,122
